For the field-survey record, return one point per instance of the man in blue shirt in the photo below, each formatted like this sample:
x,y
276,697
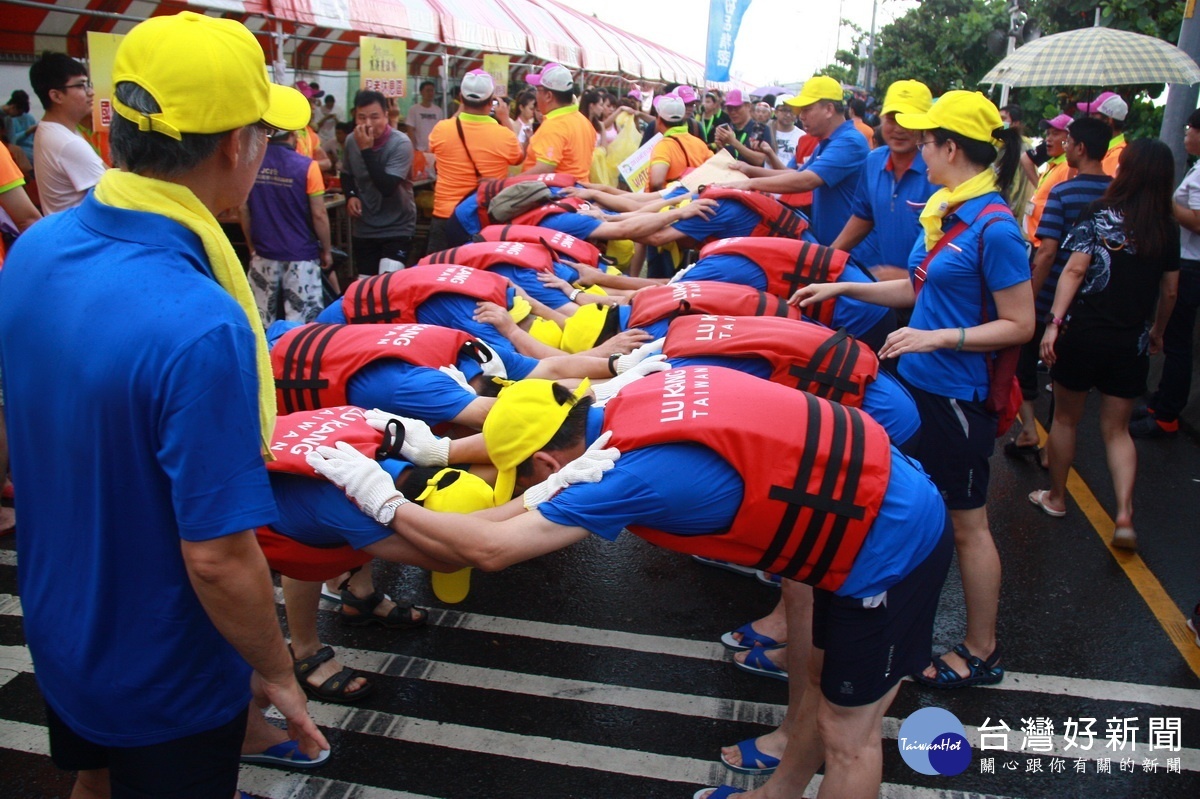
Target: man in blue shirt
x,y
865,632
832,173
147,600
893,188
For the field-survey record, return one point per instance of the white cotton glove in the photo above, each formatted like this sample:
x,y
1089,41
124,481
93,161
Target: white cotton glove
x,y
648,366
421,447
455,374
587,468
627,362
493,366
364,480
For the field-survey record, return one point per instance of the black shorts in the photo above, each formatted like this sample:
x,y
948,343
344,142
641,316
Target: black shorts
x,y
368,252
1079,366
1031,353
200,766
957,438
869,650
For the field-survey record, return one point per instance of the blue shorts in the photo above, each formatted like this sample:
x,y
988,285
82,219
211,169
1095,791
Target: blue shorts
x,y
957,439
869,650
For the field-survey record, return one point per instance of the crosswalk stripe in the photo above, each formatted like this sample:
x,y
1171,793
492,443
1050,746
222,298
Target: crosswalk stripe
x,y
1074,687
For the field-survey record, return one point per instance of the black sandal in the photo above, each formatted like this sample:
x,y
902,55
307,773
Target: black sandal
x,y
400,617
335,688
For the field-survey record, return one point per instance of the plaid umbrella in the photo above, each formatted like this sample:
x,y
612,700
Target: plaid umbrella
x,y
1095,57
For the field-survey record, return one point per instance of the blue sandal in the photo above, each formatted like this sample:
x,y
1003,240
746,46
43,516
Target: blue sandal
x,y
286,754
981,672
757,662
724,792
750,639
754,761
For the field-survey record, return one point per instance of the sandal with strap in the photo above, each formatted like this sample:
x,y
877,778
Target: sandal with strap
x,y
755,762
750,639
980,672
400,617
335,689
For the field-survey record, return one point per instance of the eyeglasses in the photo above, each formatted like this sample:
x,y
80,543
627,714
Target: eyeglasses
x,y
269,130
86,86
921,144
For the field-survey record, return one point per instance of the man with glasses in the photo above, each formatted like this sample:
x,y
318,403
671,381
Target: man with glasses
x,y
65,164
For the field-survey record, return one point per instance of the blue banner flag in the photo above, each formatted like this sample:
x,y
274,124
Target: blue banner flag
x,y
724,19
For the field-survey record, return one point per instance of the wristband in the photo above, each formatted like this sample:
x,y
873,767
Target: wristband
x,y
612,363
962,338
1057,321
574,294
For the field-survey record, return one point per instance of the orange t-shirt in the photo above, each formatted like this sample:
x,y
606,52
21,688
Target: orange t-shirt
x,y
10,178
307,142
565,141
867,131
1056,174
1112,158
679,150
493,147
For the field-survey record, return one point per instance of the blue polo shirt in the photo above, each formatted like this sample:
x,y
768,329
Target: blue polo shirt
x,y
317,513
892,206
656,487
731,219
132,405
577,225
957,281
838,160
858,317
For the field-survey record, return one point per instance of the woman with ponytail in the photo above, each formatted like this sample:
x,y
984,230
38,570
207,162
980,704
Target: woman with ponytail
x,y
970,294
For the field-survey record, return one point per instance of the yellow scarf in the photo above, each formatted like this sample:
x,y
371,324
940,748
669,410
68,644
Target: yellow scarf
x,y
944,199
137,193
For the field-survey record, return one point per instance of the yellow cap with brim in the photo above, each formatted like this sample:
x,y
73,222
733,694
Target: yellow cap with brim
x,y
520,309
547,332
817,88
523,420
583,328
208,75
907,97
968,114
455,491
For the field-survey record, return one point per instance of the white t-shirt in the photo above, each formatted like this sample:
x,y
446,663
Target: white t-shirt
x,y
422,120
1188,195
66,166
785,143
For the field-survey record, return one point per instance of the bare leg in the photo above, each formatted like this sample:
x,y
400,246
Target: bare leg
x,y
1121,454
8,516
979,563
300,601
1068,410
853,748
260,735
1028,437
92,784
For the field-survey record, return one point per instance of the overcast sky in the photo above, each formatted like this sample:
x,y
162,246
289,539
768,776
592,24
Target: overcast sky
x,y
779,41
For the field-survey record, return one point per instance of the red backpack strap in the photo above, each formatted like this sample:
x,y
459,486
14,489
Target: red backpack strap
x,y
920,273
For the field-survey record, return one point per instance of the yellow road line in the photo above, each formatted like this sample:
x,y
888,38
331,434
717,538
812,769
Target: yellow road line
x,y
1168,614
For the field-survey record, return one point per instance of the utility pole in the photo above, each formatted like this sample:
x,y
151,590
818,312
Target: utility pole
x,y
1016,18
1181,99
870,87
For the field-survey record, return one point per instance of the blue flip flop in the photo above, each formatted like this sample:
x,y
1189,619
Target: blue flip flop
x,y
757,662
750,639
726,565
723,792
286,754
763,764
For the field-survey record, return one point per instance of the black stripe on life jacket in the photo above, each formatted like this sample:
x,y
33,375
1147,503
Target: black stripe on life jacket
x,y
832,379
306,348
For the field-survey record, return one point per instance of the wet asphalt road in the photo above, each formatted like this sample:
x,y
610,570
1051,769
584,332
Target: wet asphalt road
x,y
596,672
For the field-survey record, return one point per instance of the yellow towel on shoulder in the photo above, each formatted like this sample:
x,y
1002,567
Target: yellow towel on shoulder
x,y
132,192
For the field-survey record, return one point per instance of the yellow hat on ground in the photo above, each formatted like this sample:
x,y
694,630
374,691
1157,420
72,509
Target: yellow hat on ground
x,y
584,327
520,309
455,491
523,420
208,75
907,97
546,331
817,88
968,114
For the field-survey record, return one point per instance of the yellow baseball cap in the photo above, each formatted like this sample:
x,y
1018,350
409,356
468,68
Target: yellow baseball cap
x,y
520,309
455,491
546,331
968,114
907,97
523,420
819,87
208,75
583,328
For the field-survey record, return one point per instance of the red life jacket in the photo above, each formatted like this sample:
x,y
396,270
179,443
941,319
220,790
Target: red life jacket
x,y
704,297
396,296
829,364
488,189
486,254
788,265
567,246
774,218
297,434
813,486
313,363
534,217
